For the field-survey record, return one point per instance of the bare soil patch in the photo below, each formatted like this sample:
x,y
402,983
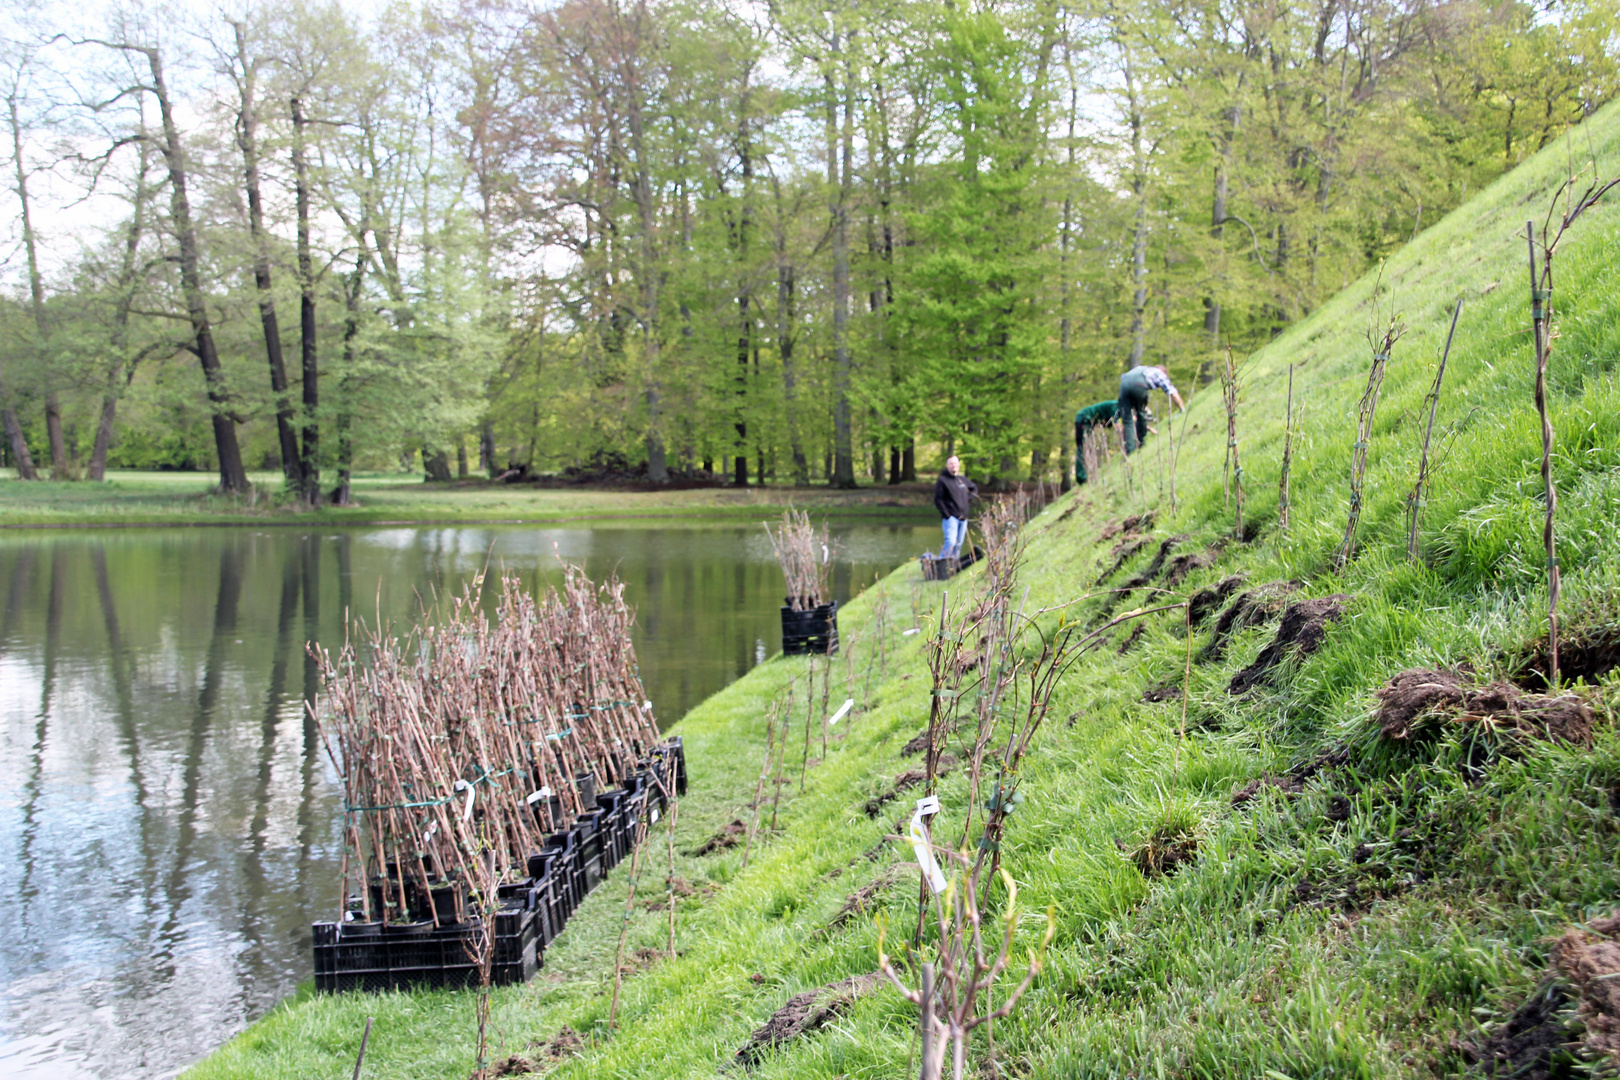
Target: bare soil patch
x,y
1418,703
729,836
1300,633
1255,607
804,1013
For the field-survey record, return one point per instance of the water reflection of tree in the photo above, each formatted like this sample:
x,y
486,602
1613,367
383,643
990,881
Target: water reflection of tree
x,y
177,888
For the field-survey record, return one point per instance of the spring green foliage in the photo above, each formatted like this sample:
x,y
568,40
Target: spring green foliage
x,y
1396,906
822,242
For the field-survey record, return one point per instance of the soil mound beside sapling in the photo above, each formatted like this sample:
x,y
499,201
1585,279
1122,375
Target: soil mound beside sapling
x,y
1128,546
1294,782
1183,565
1256,607
917,744
1151,572
1300,633
1416,701
729,836
1582,657
1134,524
541,1055
804,1013
861,901
1205,601
905,781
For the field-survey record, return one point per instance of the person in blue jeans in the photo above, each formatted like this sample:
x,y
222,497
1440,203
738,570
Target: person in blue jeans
x,y
952,492
1134,387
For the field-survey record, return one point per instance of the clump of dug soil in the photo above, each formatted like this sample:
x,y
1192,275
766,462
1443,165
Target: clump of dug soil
x,y
541,1055
1590,959
1300,633
1254,607
1128,545
804,1013
1205,601
905,781
729,836
1294,782
1136,523
1418,702
861,901
1185,564
1583,656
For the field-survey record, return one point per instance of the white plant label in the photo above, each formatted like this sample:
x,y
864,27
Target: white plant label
x,y
543,793
843,711
923,845
472,794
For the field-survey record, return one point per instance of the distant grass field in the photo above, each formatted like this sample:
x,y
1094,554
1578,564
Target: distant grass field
x,y
1392,904
174,498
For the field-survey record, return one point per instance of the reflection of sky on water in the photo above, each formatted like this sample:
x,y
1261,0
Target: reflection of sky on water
x,y
169,819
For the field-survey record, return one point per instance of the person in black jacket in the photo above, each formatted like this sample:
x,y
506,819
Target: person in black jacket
x,y
952,491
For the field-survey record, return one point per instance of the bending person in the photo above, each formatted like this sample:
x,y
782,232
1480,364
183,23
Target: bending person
x,y
1102,414
1134,387
952,492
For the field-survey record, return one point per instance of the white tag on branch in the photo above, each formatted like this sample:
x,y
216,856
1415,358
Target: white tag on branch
x,y
543,793
431,829
472,793
655,815
646,706
913,630
843,711
923,845
825,554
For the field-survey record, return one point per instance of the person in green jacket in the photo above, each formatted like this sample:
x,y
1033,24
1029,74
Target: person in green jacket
x,y
1102,414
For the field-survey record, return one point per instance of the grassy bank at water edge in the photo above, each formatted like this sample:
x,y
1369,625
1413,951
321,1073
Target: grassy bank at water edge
x,y
1266,884
153,498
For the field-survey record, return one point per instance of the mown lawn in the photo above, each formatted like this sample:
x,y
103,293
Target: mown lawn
x,y
159,498
1378,913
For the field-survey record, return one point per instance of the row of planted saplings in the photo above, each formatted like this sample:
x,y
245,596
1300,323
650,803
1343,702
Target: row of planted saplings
x,y
471,753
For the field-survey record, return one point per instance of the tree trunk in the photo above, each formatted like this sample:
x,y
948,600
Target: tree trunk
x,y
247,123
1139,228
838,179
341,495
310,461
1217,230
785,316
119,375
36,294
14,437
232,476
745,330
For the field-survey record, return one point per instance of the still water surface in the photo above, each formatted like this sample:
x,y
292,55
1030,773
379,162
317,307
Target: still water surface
x,y
168,821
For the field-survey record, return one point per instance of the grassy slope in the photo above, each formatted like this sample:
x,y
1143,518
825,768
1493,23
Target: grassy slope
x,y
148,498
1275,953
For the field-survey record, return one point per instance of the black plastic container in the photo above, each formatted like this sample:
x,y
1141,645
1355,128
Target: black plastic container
x,y
351,957
810,633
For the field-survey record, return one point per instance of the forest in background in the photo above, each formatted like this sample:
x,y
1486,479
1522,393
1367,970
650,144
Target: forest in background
x,y
790,242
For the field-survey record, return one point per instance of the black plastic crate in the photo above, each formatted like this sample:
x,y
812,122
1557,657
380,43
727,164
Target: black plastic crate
x,y
813,632
371,958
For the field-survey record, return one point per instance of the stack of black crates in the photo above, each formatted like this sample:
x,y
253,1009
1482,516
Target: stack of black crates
x,y
376,956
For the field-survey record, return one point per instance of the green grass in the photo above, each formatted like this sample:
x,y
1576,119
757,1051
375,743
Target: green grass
x,y
1295,945
157,498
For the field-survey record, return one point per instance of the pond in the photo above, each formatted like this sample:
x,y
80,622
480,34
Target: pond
x,y
169,824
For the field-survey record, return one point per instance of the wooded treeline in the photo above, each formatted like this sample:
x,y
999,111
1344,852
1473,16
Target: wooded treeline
x,y
797,241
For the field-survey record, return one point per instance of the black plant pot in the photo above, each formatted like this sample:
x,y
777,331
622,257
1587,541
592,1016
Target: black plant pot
x,y
812,632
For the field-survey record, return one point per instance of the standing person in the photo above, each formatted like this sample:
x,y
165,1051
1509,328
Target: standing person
x,y
1102,414
952,491
1134,387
